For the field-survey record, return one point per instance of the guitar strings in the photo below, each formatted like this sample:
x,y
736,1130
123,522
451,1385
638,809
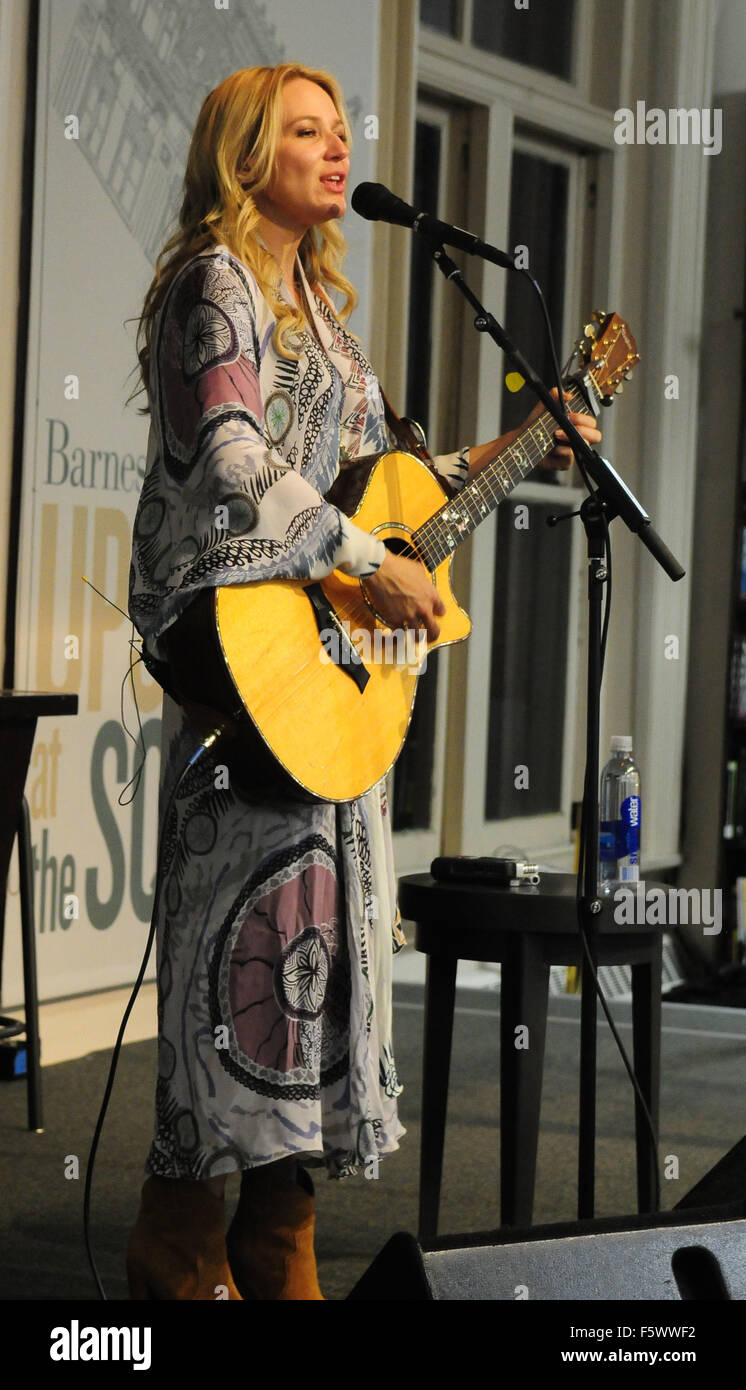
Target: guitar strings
x,y
428,536
510,467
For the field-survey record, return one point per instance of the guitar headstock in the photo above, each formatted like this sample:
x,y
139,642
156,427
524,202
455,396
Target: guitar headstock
x,y
607,352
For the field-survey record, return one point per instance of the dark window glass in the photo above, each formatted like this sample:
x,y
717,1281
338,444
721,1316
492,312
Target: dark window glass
x,y
529,661
440,14
538,221
539,35
423,271
413,778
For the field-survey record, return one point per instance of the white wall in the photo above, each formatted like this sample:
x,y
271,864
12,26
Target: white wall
x,y
13,30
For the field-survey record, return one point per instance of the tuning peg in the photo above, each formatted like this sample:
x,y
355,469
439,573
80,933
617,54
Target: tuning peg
x,y
599,315
590,330
619,390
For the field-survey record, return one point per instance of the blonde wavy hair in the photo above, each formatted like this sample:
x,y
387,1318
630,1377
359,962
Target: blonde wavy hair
x,y
241,121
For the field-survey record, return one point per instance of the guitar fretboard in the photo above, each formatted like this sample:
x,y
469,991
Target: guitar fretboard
x,y
457,518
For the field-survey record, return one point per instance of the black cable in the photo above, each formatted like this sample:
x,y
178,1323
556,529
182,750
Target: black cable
x,y
589,792
550,335
204,745
138,741
652,1136
607,605
556,368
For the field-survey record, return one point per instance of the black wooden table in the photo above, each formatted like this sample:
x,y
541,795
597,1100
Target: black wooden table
x,y
527,930
19,711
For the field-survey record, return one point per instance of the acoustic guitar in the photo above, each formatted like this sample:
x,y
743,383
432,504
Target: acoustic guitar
x,y
320,688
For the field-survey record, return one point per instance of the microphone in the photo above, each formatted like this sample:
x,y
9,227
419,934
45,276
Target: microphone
x,y
378,204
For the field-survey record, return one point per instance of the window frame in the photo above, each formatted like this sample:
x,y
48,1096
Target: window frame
x,y
548,834
508,102
521,73
659,194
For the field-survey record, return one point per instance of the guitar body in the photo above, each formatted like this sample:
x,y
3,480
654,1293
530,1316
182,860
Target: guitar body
x,y
333,739
313,687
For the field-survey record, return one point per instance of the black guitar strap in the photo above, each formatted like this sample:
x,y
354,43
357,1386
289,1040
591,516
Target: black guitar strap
x,y
406,432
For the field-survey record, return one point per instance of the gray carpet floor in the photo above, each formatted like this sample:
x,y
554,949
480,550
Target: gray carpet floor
x,y
703,1114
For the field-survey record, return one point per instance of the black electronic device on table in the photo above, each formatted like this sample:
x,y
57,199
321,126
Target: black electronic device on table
x,y
466,868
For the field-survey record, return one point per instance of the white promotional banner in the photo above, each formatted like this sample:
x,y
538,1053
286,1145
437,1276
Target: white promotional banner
x,y
120,83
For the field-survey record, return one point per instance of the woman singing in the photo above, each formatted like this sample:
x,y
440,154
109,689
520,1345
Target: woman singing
x,y
276,917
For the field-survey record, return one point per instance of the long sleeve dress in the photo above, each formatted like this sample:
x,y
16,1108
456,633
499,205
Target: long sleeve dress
x,y
276,919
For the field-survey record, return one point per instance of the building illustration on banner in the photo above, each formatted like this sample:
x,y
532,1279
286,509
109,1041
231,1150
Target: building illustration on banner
x,y
135,75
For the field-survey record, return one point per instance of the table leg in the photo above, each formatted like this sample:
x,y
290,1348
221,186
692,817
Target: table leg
x,y
440,997
28,929
16,742
646,1042
524,1001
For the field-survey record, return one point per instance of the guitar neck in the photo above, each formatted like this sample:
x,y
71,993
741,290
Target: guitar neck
x,y
457,518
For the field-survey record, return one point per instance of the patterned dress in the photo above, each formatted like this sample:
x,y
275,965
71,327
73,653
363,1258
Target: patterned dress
x,y
276,919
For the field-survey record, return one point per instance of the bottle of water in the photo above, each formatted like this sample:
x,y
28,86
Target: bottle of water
x,y
621,814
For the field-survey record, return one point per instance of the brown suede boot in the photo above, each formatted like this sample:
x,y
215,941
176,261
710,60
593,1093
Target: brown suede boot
x,y
177,1246
270,1239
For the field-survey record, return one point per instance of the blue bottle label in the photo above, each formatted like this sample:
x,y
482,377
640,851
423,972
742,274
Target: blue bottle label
x,y
607,842
620,839
631,813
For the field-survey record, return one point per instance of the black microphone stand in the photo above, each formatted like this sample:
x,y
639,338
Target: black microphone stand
x,y
611,498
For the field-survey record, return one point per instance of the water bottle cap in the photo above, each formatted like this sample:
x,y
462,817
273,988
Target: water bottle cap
x,y
621,743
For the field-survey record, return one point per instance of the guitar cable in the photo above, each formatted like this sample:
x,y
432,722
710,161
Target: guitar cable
x,y
207,742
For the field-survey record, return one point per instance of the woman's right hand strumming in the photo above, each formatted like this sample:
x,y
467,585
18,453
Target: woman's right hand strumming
x,y
403,594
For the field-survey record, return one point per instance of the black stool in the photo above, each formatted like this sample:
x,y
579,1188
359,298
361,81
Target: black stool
x,y
19,711
527,930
